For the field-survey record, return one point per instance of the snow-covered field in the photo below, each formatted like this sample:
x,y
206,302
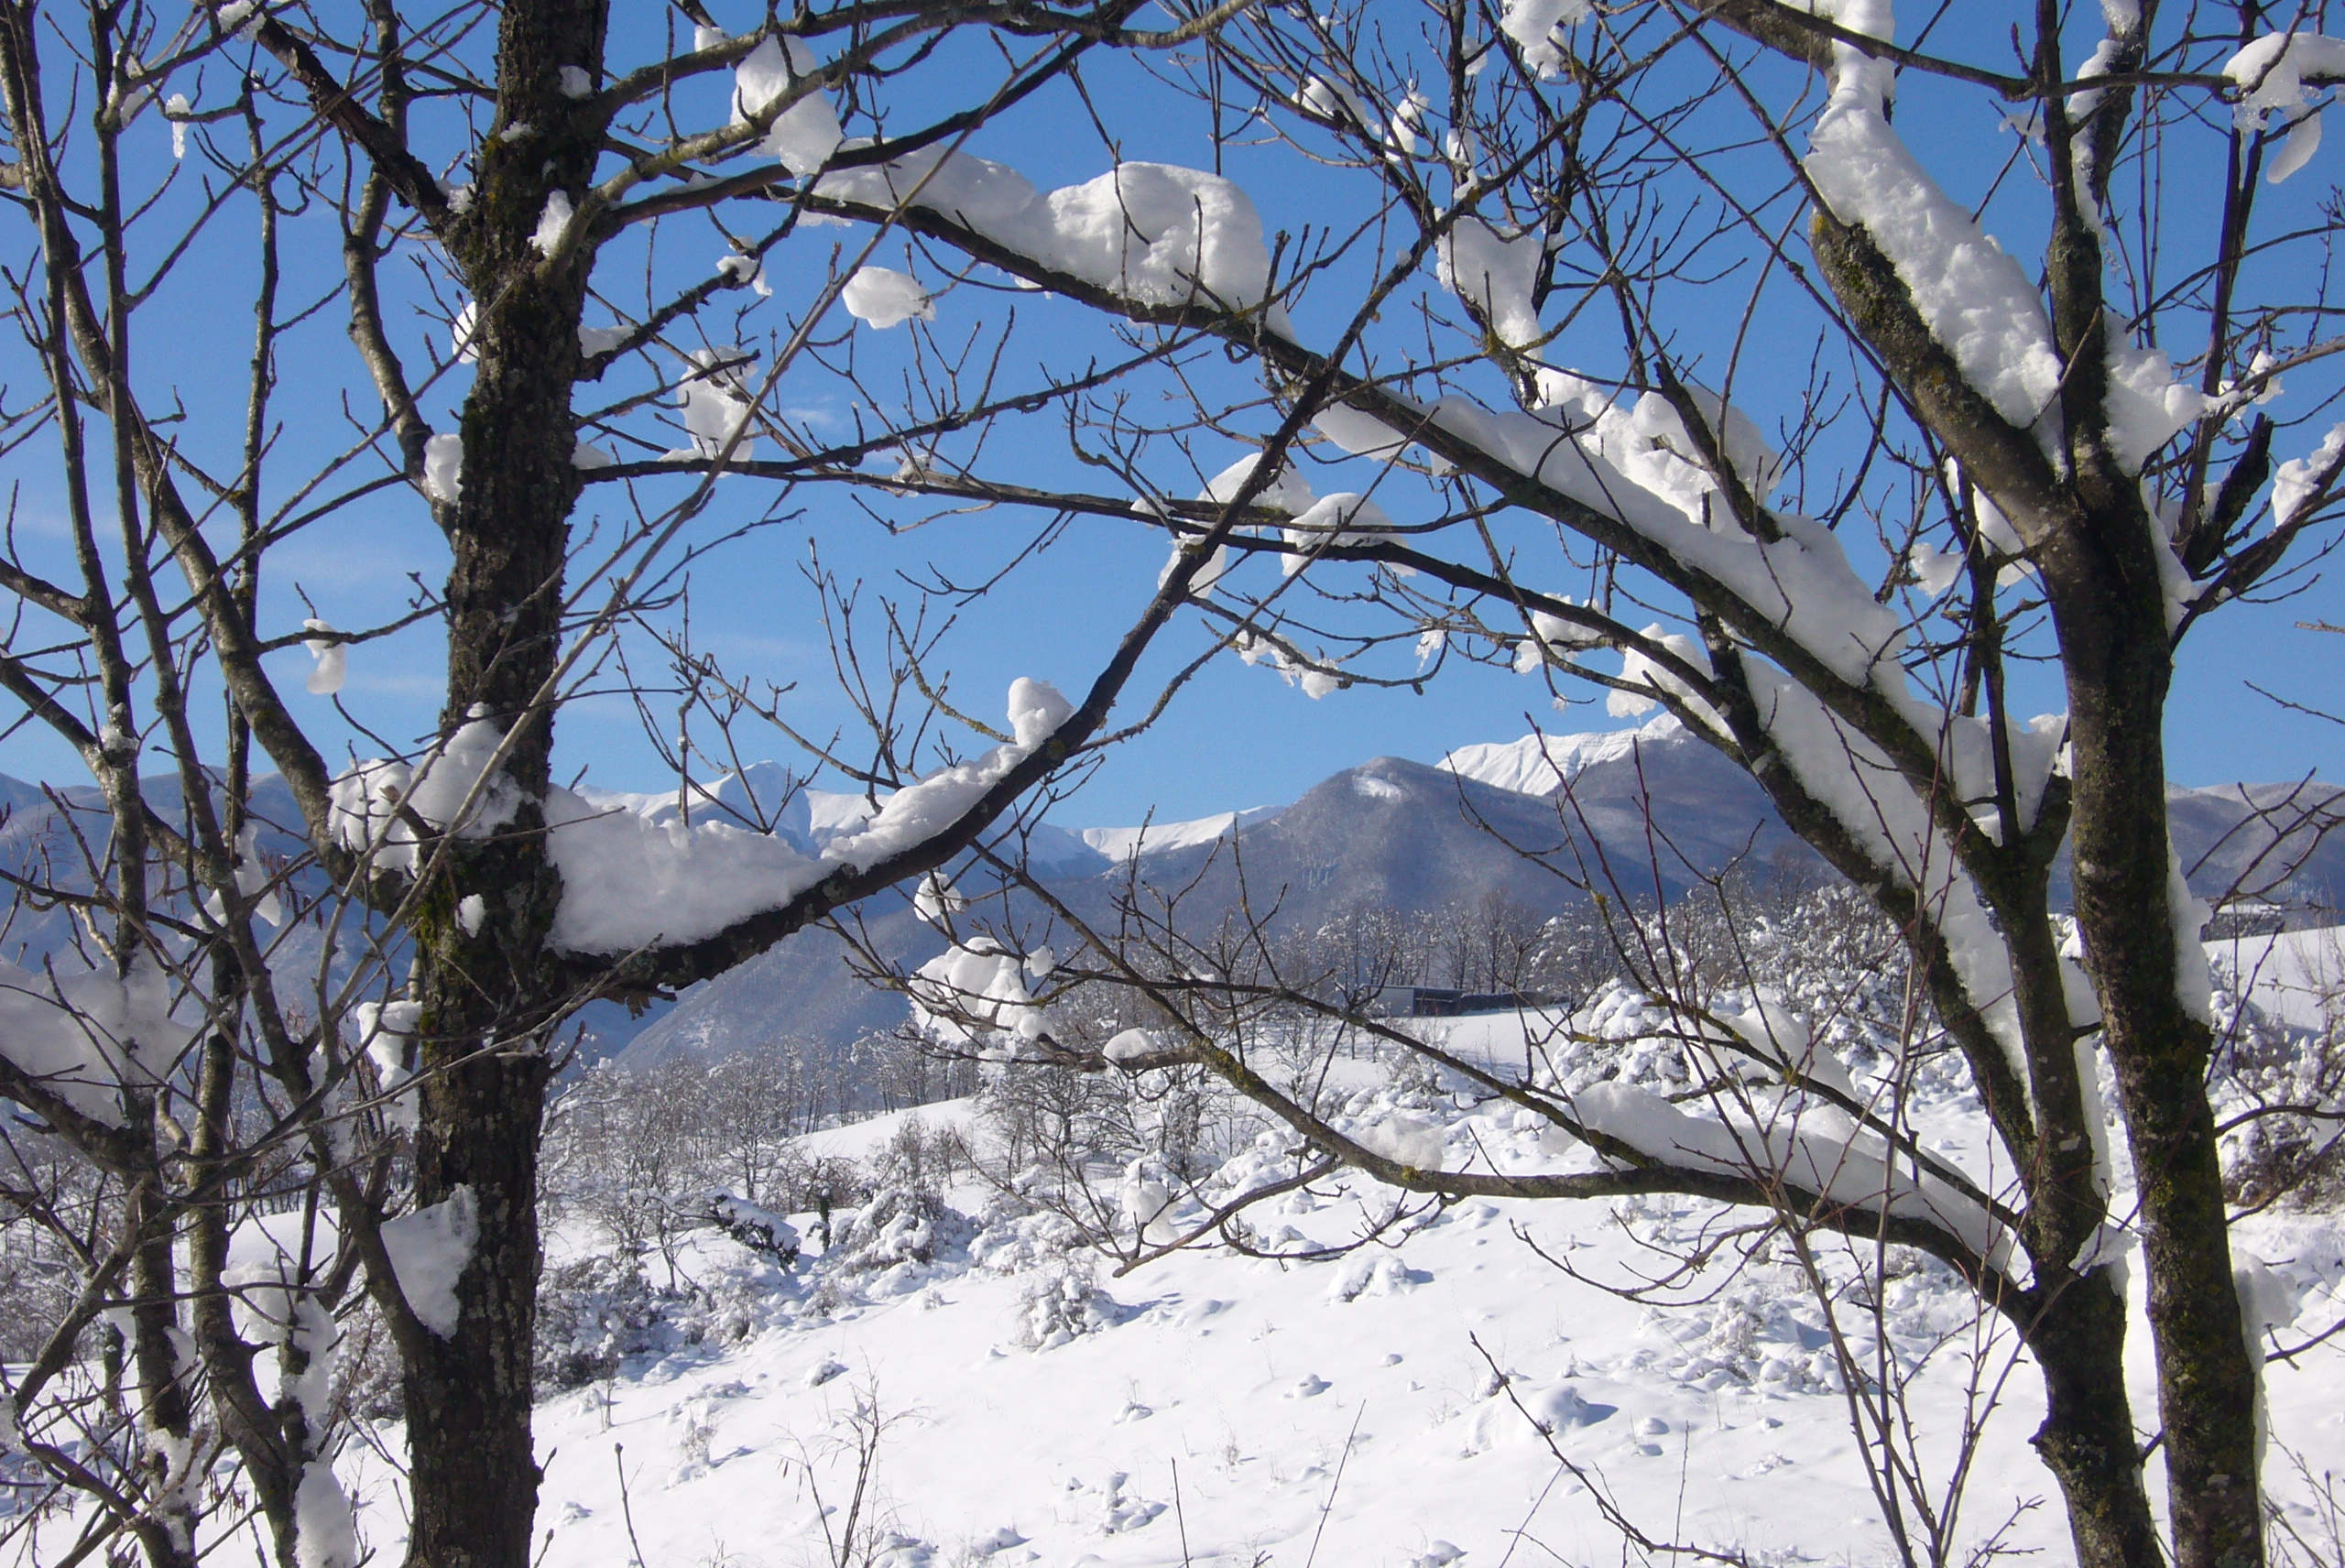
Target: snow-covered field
x,y
1216,1409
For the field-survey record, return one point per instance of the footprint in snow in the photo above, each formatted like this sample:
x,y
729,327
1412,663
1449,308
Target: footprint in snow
x,y
1310,1388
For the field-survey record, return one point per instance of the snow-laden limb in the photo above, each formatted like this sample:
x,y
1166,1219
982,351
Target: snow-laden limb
x,y
1900,835
1151,233
1839,1169
631,882
430,1250
804,135
1978,302
81,1037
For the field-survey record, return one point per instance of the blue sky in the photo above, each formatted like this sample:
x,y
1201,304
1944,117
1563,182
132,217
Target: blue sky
x,y
1237,735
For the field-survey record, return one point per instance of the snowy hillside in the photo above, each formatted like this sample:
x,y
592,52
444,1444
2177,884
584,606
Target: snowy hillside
x,y
1383,1409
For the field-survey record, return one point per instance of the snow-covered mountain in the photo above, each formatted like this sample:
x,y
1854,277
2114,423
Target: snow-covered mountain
x,y
1645,812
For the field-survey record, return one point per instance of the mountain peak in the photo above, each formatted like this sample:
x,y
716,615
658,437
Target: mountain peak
x,y
1537,764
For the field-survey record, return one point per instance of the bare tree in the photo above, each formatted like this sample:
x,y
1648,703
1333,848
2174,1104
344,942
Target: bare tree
x,y
1976,464
378,961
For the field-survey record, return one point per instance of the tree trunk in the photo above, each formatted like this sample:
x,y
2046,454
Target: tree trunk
x,y
2087,1441
487,993
166,1449
2111,612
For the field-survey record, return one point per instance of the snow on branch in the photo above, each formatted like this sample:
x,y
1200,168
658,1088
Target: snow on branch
x,y
631,882
1977,302
1151,233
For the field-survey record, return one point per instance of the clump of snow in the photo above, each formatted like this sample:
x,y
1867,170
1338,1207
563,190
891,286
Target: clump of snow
x,y
576,82
630,879
1134,1045
325,1524
553,224
968,995
1533,26
443,467
430,1250
715,404
1036,711
1332,521
386,1033
252,878
2270,73
627,881
2300,478
804,135
1361,435
1150,231
1552,635
747,270
367,799
1494,275
937,901
332,658
884,299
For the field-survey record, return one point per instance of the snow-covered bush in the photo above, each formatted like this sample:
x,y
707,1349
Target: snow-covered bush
x,y
591,1314
899,1226
1061,1303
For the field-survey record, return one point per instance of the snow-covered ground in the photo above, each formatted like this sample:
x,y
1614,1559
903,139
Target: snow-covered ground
x,y
1216,1408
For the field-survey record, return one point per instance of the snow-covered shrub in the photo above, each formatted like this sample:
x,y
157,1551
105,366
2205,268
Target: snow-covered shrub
x,y
898,1225
2271,1154
591,1313
1061,1303
921,1159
